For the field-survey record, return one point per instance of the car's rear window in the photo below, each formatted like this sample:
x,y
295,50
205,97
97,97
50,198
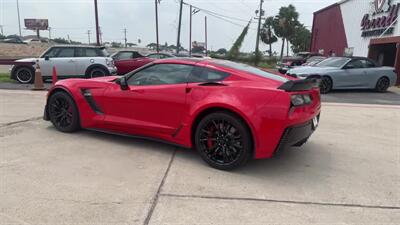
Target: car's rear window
x,y
249,69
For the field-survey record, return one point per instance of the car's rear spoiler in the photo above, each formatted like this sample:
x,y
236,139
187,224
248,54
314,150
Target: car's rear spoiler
x,y
307,84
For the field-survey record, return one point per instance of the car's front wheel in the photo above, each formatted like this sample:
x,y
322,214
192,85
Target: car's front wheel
x,y
24,75
63,112
382,84
223,141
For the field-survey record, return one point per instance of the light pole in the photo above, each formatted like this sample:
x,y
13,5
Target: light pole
x,y
205,33
19,20
192,12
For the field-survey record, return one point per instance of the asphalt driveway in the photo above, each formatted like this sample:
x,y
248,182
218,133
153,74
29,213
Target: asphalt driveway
x,y
348,173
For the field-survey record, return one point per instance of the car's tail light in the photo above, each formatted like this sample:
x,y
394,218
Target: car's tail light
x,y
300,99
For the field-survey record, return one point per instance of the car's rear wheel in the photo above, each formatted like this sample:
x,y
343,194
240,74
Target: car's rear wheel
x,y
223,141
63,112
24,75
97,72
382,84
326,85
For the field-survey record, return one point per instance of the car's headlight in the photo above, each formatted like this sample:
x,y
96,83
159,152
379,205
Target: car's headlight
x,y
300,99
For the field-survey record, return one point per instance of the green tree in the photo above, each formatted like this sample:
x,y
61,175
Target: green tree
x,y
222,51
302,40
235,50
285,24
267,35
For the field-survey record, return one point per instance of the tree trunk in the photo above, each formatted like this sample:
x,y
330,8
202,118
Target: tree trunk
x,y
270,50
287,47
283,48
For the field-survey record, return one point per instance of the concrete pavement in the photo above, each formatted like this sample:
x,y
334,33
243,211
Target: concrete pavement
x,y
348,173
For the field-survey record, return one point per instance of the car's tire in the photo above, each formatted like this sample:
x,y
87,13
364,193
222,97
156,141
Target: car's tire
x,y
63,112
382,84
24,75
96,72
326,85
223,140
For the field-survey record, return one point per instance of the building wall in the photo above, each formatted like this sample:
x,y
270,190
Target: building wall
x,y
352,13
328,31
339,27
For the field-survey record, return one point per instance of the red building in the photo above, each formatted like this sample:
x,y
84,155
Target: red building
x,y
367,28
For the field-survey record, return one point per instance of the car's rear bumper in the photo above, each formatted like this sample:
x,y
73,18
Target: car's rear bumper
x,y
297,134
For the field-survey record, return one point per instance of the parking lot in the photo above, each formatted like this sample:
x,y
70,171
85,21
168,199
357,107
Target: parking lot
x,y
348,173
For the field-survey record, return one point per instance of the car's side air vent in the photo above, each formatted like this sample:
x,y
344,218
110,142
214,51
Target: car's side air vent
x,y
211,83
92,103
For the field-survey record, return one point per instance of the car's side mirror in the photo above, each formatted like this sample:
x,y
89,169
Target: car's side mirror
x,y
46,57
123,83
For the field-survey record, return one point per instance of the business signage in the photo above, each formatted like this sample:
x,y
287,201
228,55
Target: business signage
x,y
381,20
36,24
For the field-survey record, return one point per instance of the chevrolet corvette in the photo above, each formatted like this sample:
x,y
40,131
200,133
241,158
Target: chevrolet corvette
x,y
228,112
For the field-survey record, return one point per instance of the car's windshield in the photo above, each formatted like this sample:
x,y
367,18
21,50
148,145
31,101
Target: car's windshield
x,y
333,62
250,69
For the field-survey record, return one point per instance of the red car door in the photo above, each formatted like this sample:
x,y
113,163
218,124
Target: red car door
x,y
154,102
127,65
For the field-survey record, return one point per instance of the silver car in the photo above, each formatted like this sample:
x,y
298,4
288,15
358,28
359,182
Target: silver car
x,y
349,73
69,61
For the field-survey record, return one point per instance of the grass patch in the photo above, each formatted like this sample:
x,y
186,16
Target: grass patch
x,y
5,78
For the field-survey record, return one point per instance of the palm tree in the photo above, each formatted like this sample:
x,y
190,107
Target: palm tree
x,y
285,23
267,35
235,50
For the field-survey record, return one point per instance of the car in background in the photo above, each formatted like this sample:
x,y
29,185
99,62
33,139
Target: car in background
x,y
126,54
229,112
160,55
125,66
297,60
339,73
69,61
312,61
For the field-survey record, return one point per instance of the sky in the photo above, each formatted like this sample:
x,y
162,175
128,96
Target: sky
x,y
76,17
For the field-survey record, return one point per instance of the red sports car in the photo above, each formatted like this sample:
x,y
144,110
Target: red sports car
x,y
229,112
125,66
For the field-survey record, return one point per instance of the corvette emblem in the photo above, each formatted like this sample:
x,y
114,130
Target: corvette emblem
x,y
379,5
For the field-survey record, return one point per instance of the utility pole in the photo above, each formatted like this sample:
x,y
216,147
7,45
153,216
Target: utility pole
x,y
97,23
179,28
101,36
261,13
157,40
190,31
1,30
19,19
88,33
125,36
205,33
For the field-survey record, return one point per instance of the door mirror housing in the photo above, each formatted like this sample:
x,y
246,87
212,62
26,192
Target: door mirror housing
x,y
123,83
46,57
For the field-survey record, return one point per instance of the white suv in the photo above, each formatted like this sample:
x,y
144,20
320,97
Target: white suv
x,y
70,61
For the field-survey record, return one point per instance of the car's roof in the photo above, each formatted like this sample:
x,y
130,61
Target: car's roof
x,y
78,46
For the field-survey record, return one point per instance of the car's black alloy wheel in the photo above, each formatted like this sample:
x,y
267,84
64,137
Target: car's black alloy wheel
x,y
382,85
326,85
24,75
223,141
63,112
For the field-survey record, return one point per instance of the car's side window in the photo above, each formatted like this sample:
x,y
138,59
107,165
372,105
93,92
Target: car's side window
x,y
161,74
368,64
65,52
90,52
355,64
201,74
52,52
